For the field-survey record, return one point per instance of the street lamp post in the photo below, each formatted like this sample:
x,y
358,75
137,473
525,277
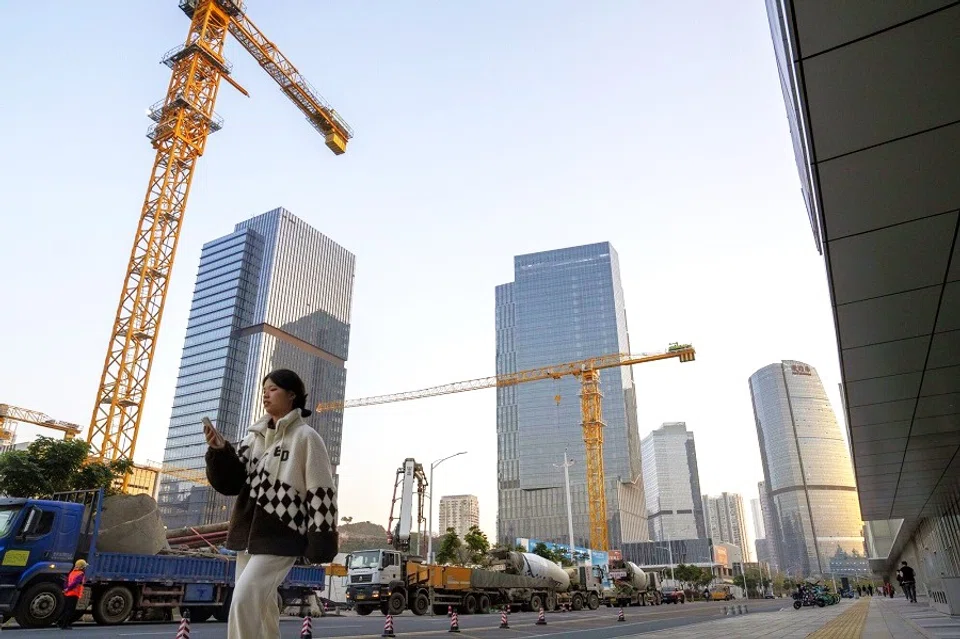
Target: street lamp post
x,y
430,523
567,463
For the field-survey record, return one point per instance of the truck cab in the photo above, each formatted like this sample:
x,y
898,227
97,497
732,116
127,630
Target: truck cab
x,y
370,576
39,541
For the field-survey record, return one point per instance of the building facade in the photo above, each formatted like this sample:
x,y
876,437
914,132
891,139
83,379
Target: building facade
x,y
564,305
808,478
671,482
459,512
771,526
275,293
726,521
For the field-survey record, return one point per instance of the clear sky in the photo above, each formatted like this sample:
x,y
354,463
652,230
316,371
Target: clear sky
x,y
483,130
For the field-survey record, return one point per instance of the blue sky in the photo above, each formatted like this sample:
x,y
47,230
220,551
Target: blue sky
x,y
483,130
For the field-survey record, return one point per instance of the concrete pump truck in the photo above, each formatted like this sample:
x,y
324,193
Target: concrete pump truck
x,y
396,580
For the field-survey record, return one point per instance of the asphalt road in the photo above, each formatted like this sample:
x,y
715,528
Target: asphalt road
x,y
599,624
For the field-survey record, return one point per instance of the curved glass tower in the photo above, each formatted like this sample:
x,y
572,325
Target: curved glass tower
x,y
807,471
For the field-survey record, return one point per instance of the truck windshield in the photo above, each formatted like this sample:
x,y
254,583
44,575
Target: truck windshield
x,y
8,515
366,559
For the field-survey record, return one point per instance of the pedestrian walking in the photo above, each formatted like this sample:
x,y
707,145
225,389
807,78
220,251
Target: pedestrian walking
x,y
286,503
908,581
72,592
859,591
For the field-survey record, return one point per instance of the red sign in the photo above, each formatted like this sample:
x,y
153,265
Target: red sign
x,y
615,555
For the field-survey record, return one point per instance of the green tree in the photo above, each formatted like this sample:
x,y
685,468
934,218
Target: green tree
x,y
704,579
450,547
53,465
477,543
545,552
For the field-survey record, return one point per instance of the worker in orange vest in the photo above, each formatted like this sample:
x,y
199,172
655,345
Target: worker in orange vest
x,y
72,592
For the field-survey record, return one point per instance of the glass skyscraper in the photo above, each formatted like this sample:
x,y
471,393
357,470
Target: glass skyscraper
x,y
671,481
275,293
564,305
808,478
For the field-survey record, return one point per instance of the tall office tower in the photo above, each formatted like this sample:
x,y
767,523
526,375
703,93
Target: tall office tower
x,y
726,521
770,527
808,478
459,512
671,483
564,305
275,293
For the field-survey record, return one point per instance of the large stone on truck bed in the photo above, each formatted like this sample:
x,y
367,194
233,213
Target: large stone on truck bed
x,y
131,524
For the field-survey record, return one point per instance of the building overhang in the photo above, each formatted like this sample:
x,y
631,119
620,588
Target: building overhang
x,y
876,89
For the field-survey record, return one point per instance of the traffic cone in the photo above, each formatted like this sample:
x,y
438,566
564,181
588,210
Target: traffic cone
x,y
388,627
449,611
454,622
306,630
620,616
503,619
184,631
541,620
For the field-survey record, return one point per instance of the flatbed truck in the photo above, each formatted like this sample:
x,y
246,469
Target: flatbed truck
x,y
40,539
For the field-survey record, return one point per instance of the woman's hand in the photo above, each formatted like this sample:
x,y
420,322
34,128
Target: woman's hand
x,y
214,439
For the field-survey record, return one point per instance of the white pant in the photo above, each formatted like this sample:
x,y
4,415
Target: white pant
x,y
254,613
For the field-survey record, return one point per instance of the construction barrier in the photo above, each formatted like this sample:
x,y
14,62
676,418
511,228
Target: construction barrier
x,y
306,630
454,622
388,627
620,616
541,620
183,632
503,619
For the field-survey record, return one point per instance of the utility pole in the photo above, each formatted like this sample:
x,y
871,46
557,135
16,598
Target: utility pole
x,y
567,463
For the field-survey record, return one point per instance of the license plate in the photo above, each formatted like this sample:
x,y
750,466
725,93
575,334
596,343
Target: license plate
x,y
361,596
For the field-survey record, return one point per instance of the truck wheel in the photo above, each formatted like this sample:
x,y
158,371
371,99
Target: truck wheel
x,y
113,606
577,602
222,612
363,611
593,601
199,614
536,603
396,603
470,604
551,601
40,605
421,604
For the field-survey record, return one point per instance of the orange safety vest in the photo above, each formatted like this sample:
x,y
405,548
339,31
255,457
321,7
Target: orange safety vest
x,y
74,585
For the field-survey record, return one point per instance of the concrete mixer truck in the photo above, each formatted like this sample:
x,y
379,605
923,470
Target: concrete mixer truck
x,y
578,587
633,587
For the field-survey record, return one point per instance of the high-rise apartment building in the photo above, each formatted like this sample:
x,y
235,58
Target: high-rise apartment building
x,y
808,478
726,521
459,512
564,305
671,483
275,293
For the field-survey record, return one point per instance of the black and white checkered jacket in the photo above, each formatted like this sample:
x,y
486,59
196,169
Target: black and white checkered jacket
x,y
286,502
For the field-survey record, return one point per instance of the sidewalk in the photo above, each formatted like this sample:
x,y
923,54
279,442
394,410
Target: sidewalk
x,y
783,624
866,618
918,620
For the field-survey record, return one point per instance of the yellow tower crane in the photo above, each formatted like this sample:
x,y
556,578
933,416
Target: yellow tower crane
x,y
10,415
588,371
184,120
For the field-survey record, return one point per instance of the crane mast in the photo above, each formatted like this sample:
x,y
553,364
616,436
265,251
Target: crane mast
x,y
183,122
